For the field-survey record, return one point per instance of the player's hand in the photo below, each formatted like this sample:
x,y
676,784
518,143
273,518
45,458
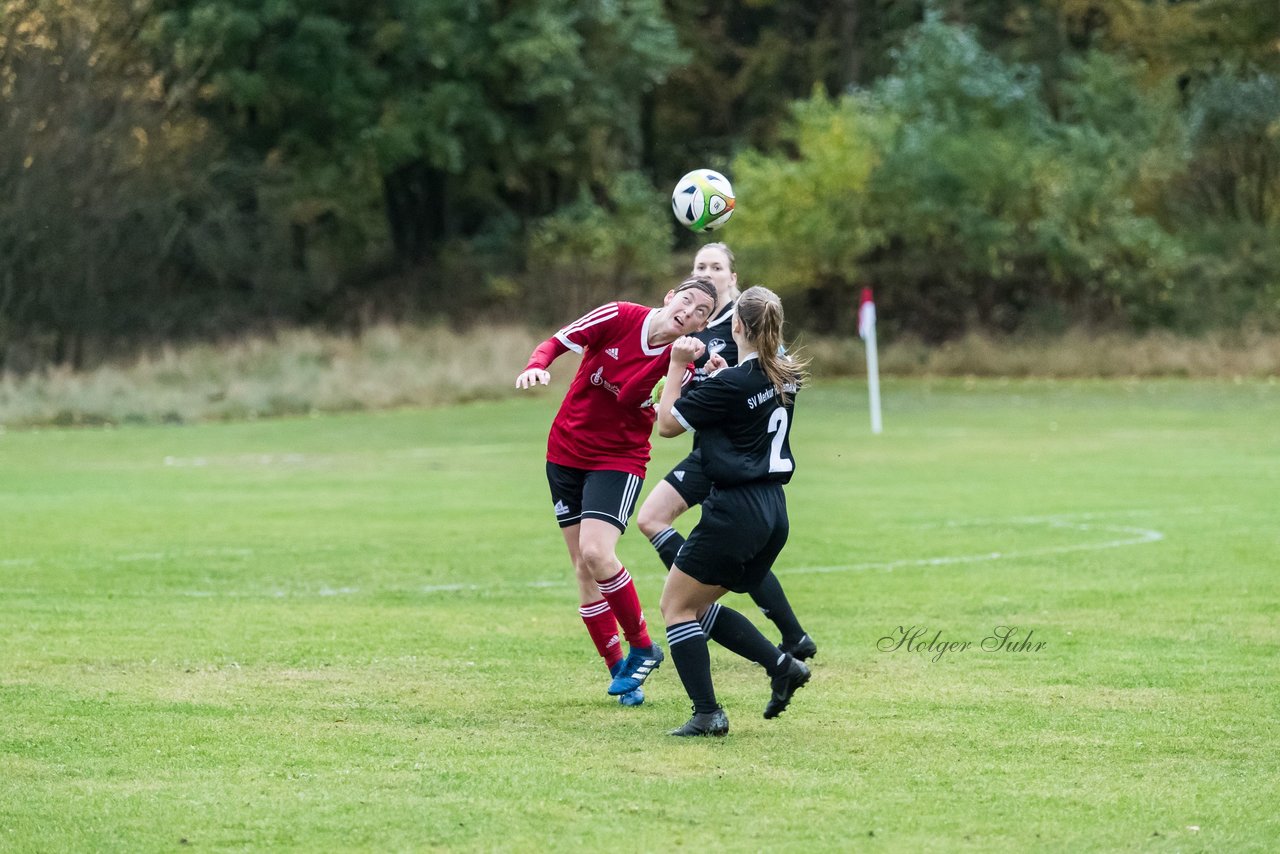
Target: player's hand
x,y
716,363
686,349
532,377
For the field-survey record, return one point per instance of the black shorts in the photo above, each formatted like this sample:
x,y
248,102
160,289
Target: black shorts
x,y
579,494
742,531
688,480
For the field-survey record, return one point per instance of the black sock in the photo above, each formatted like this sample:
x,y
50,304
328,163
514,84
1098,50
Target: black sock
x,y
737,634
688,647
774,605
668,542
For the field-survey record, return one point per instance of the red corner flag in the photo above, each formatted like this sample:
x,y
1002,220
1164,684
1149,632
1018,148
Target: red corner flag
x,y
866,315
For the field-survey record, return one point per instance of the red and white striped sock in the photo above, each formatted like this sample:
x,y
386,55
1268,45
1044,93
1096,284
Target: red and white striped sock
x,y
603,629
625,602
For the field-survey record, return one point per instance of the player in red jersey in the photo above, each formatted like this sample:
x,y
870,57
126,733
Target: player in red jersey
x,y
597,452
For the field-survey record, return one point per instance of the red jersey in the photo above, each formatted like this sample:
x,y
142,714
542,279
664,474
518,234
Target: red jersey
x,y
593,430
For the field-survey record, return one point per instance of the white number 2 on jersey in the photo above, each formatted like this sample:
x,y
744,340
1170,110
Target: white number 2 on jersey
x,y
778,427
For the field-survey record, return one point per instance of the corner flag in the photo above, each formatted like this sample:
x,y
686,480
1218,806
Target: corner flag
x,y
867,332
866,315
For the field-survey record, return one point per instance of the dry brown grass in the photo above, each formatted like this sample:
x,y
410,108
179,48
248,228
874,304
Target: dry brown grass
x,y
1075,354
302,371
298,371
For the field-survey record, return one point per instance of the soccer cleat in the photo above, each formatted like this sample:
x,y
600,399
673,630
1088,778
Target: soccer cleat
x,y
803,649
640,664
785,685
631,698
704,723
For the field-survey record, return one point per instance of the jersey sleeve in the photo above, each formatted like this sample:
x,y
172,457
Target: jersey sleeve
x,y
706,403
546,353
579,335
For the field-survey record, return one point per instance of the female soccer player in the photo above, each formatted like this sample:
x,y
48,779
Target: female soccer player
x,y
743,418
686,485
596,456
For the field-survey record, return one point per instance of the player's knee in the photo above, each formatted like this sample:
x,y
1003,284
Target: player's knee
x,y
674,609
673,613
656,515
666,606
651,520
598,559
582,571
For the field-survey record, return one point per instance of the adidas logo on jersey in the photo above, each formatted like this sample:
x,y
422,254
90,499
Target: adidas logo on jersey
x,y
612,351
679,475
561,508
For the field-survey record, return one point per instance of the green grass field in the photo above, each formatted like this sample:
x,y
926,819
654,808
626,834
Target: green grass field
x,y
360,633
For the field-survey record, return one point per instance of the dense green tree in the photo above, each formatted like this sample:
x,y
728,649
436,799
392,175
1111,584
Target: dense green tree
x,y
806,222
749,59
109,228
171,166
1235,136
964,201
1178,37
453,114
1227,202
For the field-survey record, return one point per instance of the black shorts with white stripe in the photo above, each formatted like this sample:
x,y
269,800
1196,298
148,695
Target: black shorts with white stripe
x,y
578,494
742,531
689,480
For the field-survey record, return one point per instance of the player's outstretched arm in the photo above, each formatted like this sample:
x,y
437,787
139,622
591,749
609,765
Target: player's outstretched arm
x,y
535,372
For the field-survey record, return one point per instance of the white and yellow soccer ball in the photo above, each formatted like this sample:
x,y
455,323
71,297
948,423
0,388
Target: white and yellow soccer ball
x,y
703,200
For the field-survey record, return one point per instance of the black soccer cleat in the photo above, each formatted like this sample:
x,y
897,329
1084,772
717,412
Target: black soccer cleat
x,y
705,723
785,685
803,649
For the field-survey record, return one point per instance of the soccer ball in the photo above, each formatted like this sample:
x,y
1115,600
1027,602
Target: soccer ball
x,y
702,200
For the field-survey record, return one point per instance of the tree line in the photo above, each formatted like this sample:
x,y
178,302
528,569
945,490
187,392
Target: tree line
x,y
198,168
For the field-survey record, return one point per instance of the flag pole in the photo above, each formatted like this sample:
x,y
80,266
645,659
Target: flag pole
x,y
867,331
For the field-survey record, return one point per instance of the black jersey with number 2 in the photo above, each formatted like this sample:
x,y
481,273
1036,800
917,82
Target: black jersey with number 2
x,y
743,429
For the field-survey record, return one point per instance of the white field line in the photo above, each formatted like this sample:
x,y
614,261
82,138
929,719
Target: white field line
x,y
180,553
457,588
297,458
1130,536
1134,537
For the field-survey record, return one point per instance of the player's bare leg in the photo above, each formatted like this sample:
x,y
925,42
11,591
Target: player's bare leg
x,y
656,517
597,615
598,541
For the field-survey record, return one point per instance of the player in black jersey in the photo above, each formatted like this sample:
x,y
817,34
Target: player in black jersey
x,y
687,485
743,419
